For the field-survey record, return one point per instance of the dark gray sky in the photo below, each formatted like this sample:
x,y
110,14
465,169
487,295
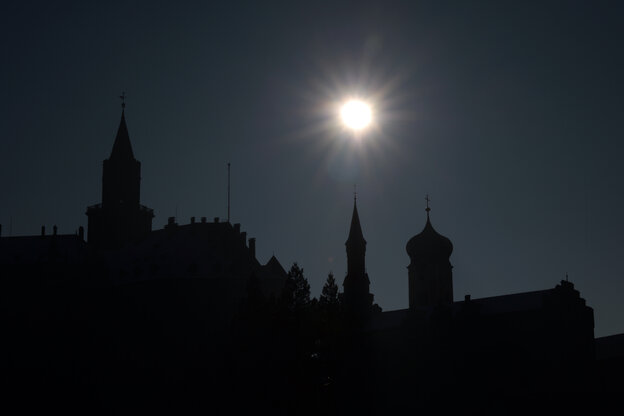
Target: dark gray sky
x,y
509,115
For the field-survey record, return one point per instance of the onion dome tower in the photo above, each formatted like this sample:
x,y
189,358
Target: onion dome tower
x,y
430,273
356,297
120,218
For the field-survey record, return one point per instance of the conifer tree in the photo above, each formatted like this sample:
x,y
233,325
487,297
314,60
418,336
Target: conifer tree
x,y
297,288
329,295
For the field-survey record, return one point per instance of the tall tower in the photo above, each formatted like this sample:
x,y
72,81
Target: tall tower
x,y
120,218
430,273
357,299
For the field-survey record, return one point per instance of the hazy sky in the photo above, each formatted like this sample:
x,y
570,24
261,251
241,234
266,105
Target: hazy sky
x,y
508,114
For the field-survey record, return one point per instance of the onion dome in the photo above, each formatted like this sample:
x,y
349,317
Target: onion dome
x,y
429,243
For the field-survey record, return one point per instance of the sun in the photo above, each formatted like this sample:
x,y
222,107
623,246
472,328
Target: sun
x,y
356,114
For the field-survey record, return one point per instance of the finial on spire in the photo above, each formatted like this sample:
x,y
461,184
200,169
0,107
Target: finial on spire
x,y
427,209
354,193
123,100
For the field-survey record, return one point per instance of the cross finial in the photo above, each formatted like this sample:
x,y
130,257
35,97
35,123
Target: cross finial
x,y
123,100
427,199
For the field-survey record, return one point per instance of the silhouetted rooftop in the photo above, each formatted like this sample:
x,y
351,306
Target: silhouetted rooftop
x,y
610,347
355,232
208,250
495,305
275,266
41,248
122,149
429,242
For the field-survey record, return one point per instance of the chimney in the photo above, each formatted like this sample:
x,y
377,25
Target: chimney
x,y
54,230
216,219
203,220
81,232
192,220
244,238
466,298
252,247
43,230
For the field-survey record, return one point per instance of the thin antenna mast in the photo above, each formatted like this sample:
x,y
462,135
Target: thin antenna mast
x,y
228,201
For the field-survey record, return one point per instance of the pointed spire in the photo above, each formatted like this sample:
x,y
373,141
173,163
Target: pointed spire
x,y
122,149
427,209
355,233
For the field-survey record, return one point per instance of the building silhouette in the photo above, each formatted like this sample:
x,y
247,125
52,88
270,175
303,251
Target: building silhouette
x,y
430,274
133,316
357,299
523,346
120,218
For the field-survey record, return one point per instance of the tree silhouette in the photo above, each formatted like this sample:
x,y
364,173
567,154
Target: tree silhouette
x,y
297,288
329,295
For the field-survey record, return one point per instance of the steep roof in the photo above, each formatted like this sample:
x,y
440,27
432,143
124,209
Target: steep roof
x,y
355,233
122,149
274,266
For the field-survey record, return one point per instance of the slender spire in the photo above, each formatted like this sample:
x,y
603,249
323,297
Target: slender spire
x,y
355,233
122,149
427,209
357,298
123,101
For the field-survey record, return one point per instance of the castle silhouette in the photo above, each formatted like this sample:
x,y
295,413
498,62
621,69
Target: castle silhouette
x,y
187,317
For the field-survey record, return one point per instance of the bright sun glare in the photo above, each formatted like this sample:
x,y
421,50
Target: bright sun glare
x,y
355,114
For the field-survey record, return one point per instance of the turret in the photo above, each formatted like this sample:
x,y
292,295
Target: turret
x,y
121,179
430,274
119,219
357,299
